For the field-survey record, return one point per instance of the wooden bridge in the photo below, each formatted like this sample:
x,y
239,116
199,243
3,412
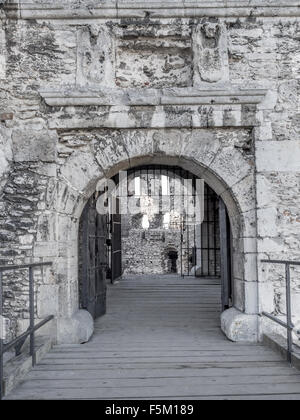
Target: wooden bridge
x,y
161,339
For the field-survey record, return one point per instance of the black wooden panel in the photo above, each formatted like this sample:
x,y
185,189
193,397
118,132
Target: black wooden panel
x,y
225,239
116,245
93,260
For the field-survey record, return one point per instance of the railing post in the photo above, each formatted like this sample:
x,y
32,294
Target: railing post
x,y
289,313
31,311
1,337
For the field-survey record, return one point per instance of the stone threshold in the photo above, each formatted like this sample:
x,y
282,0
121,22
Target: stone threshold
x,y
16,369
279,344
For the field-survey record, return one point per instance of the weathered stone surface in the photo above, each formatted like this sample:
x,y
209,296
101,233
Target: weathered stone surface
x,y
239,327
47,300
285,156
32,146
81,171
151,56
210,53
96,87
2,54
5,155
95,56
76,330
172,9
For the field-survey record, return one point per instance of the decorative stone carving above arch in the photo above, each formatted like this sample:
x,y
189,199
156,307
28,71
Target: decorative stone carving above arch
x,y
210,53
95,51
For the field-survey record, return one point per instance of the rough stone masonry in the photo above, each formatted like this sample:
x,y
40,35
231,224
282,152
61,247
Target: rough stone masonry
x,y
90,87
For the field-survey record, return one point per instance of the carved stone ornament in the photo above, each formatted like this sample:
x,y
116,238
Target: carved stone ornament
x,y
210,53
94,56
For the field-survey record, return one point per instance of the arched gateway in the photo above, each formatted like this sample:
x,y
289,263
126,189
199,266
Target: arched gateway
x,y
152,219
206,156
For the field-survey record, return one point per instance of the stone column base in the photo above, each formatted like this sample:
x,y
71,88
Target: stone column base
x,y
76,330
240,327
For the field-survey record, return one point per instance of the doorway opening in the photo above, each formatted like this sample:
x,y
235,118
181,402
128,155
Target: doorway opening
x,y
154,237
172,262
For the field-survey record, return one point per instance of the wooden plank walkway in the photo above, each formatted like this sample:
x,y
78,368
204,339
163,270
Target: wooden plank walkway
x,y
161,339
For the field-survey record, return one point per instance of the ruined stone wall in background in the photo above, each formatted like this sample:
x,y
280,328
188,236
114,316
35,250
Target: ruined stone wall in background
x,y
146,251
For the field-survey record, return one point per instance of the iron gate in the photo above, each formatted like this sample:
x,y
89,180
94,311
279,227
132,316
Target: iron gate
x,y
93,259
201,243
116,244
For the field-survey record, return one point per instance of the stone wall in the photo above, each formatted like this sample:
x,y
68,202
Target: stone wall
x,y
145,251
88,88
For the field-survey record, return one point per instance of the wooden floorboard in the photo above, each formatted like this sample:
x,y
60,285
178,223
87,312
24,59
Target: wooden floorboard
x,y
161,339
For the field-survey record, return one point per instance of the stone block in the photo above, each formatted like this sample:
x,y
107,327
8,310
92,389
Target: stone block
x,y
45,249
33,146
170,142
250,267
267,222
81,171
231,165
239,294
266,297
245,192
265,191
295,302
239,327
140,142
264,132
280,156
271,245
238,265
47,301
249,245
249,223
75,330
110,149
251,297
201,146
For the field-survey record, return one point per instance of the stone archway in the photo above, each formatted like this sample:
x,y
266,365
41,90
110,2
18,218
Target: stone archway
x,y
217,156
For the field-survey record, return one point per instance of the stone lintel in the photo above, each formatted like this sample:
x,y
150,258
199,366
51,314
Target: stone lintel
x,y
153,97
154,108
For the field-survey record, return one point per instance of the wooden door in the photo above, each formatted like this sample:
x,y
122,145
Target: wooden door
x,y
225,243
116,245
94,259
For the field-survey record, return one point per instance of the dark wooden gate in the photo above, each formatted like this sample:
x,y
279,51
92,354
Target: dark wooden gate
x,y
225,242
116,244
93,260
